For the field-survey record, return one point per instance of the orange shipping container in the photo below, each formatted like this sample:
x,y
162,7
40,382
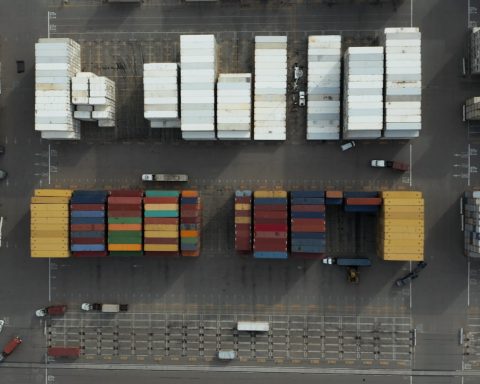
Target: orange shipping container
x,y
189,193
187,233
124,247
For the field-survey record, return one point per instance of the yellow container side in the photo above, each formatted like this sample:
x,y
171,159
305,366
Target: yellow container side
x,y
243,220
161,247
270,194
49,233
395,202
50,254
49,214
53,192
161,227
50,200
49,207
402,249
402,256
124,247
48,227
400,222
404,216
161,234
48,247
243,207
403,229
408,243
404,208
49,220
404,236
401,194
161,207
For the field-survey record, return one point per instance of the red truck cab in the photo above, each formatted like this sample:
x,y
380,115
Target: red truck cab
x,y
10,347
53,310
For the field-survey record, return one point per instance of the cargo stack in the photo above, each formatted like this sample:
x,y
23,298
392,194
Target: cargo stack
x,y
161,214
160,93
401,226
270,104
49,223
403,86
323,87
125,223
190,223
368,202
363,93
308,227
333,197
56,61
472,108
475,51
80,93
198,70
234,106
243,221
270,225
87,223
471,211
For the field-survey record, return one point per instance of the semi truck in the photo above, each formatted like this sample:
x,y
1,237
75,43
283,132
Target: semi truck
x,y
396,165
107,308
351,264
164,177
10,347
52,310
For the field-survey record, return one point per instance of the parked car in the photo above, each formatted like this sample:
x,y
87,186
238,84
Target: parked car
x,y
10,347
301,98
348,145
409,277
2,323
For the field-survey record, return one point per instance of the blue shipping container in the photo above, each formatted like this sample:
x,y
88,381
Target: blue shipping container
x,y
308,215
188,247
307,249
295,194
361,208
360,194
87,247
308,200
331,201
317,242
244,193
308,235
88,200
87,220
87,213
87,234
270,255
270,200
189,200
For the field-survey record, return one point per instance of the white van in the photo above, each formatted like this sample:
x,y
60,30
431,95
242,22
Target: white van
x,y
227,355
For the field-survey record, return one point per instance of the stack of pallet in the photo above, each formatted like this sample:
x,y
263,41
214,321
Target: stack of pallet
x,y
161,213
308,224
87,223
49,223
471,211
368,202
125,223
401,226
190,223
270,226
243,221
80,94
333,197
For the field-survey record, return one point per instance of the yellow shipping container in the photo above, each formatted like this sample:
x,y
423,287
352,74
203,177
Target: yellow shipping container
x,y
161,207
270,194
161,227
243,207
401,194
404,208
48,247
49,254
414,202
53,192
49,233
404,236
402,249
49,220
48,227
243,220
400,222
402,229
402,256
162,234
49,214
50,200
161,247
404,216
408,243
49,207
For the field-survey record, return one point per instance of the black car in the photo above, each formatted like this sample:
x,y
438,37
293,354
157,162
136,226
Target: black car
x,y
411,275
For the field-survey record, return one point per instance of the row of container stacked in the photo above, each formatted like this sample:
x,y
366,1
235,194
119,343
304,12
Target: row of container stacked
x,y
270,100
472,108
308,226
190,223
198,69
56,61
243,221
87,223
270,225
323,87
160,93
161,217
403,83
363,93
369,202
333,197
49,223
125,223
471,212
401,226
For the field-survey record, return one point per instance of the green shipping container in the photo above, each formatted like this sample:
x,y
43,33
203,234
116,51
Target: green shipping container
x,y
128,240
189,240
124,220
155,193
125,253
161,213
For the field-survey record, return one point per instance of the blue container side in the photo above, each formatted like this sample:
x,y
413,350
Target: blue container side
x,y
308,215
295,194
188,247
88,200
189,200
317,242
87,234
307,249
87,247
87,213
87,220
308,235
270,255
190,226
360,194
361,208
331,201
308,200
244,193
270,200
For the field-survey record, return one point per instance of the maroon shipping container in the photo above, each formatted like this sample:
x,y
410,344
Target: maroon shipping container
x,y
268,221
160,220
270,245
87,227
271,235
115,213
160,200
63,351
155,240
124,200
190,214
270,215
90,254
87,207
307,228
125,207
243,236
273,207
308,208
190,207
271,227
364,201
309,221
127,193
191,220
243,227
87,240
243,213
243,200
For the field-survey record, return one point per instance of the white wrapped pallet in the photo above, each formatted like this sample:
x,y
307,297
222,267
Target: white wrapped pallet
x,y
472,108
234,111
363,93
323,87
270,88
403,83
57,60
198,72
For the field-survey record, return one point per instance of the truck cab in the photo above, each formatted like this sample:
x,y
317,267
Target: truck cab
x,y
106,308
164,177
53,310
10,347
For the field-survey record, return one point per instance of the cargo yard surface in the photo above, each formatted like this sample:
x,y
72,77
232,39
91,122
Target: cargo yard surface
x,y
182,310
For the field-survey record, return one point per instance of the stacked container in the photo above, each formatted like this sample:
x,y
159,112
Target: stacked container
x,y
161,214
243,221
403,87
80,94
472,108
401,226
190,223
49,223
333,197
87,223
125,223
198,71
363,93
475,51
160,93
308,227
369,202
234,106
56,61
471,211
323,88
270,104
270,225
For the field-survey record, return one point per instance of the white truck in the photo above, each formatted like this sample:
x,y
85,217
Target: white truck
x,y
107,308
164,177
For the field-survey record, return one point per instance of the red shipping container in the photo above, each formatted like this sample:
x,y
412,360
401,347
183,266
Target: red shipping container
x,y
160,220
87,207
126,192
271,215
268,221
243,200
87,240
307,228
243,213
155,240
309,221
189,207
243,235
124,214
270,245
282,227
87,227
160,200
271,235
364,201
191,220
243,226
273,207
308,208
124,200
125,207
90,254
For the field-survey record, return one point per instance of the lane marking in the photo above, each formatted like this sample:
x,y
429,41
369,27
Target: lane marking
x,y
411,13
